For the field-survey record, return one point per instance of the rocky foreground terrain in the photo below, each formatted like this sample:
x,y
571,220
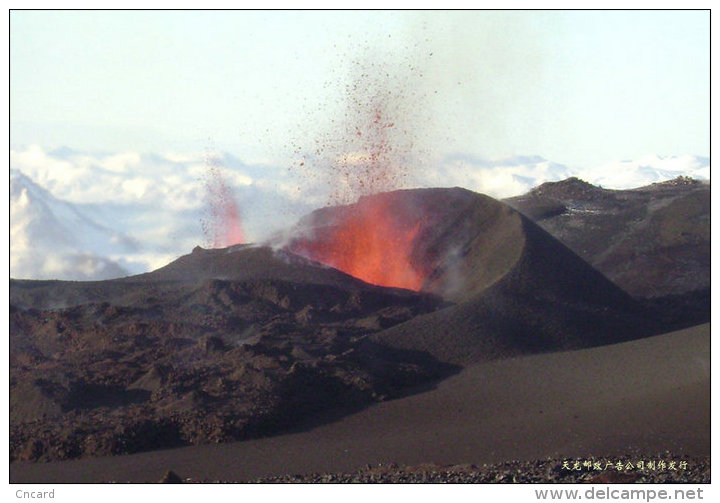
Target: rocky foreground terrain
x,y
198,361
601,471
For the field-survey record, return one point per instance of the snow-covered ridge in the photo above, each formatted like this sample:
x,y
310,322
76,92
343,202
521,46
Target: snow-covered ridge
x,y
516,175
80,215
51,238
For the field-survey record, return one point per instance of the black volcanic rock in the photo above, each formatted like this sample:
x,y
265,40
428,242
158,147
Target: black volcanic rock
x,y
570,188
180,356
170,477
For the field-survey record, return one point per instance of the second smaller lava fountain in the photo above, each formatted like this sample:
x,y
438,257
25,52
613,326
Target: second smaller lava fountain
x,y
222,225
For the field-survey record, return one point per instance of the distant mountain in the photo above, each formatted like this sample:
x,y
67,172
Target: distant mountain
x,y
50,238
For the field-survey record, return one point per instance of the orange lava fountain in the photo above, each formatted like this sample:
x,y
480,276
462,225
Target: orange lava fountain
x,y
369,244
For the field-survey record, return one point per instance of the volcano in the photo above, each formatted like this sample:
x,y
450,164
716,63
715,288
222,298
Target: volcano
x,y
353,305
514,288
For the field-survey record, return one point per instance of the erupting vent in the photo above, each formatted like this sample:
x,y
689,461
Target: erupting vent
x,y
368,243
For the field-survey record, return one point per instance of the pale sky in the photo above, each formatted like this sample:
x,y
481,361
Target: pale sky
x,y
576,87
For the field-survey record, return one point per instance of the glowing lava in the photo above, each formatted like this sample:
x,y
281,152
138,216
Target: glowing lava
x,y
369,244
222,224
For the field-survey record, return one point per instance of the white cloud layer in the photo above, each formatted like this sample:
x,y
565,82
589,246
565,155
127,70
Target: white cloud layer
x,y
81,215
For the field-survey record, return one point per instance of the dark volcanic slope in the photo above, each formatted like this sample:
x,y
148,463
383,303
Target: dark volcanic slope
x,y
250,263
652,241
516,289
549,300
